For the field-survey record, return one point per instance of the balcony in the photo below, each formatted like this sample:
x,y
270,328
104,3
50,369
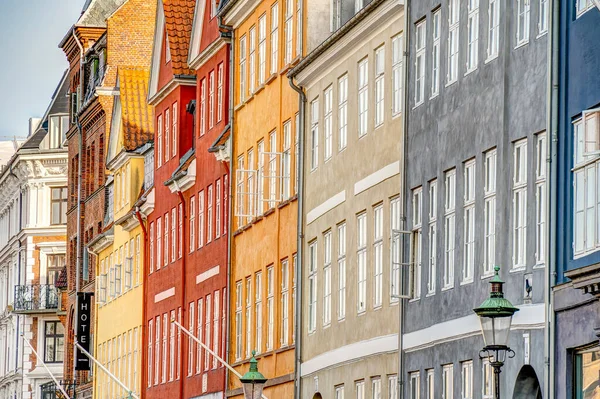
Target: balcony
x,y
35,299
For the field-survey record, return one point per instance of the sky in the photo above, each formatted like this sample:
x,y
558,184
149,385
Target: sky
x,y
32,64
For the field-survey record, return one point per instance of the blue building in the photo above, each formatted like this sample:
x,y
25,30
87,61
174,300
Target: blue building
x,y
575,204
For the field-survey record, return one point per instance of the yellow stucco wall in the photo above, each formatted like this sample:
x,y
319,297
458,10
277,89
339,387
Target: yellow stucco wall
x,y
270,237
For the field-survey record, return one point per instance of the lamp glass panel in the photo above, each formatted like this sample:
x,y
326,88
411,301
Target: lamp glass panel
x,y
252,390
495,330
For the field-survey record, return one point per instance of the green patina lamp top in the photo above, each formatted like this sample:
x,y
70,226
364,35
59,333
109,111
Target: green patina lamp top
x,y
496,305
253,375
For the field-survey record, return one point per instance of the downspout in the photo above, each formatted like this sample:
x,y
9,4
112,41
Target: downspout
x,y
228,32
79,199
138,215
300,238
18,335
183,256
403,174
552,163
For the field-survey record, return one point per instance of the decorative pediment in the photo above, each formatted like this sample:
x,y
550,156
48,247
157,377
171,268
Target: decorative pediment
x,y
586,279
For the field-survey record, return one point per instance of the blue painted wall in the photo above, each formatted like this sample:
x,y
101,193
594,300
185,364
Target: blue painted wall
x,y
579,89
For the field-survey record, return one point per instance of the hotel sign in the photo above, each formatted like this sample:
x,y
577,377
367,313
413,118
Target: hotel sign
x,y
84,308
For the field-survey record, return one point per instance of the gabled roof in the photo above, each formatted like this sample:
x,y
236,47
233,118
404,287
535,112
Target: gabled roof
x,y
179,18
95,12
135,111
197,29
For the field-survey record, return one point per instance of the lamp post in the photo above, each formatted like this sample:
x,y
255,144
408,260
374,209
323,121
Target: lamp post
x,y
495,315
253,381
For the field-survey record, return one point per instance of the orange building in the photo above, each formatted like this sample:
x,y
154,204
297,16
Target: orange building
x,y
264,207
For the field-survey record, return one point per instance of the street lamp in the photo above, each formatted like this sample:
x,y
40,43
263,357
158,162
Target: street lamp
x,y
253,381
495,315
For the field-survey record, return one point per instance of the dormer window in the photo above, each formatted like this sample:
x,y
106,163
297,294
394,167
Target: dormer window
x,y
58,127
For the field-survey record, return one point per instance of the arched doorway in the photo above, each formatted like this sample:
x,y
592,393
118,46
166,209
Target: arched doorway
x,y
317,396
527,385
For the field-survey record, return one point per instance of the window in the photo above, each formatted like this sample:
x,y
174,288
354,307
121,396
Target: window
x,y
259,313
199,334
157,351
396,74
489,216
201,223
435,55
54,340
363,96
432,238
469,222
543,17
166,238
209,214
150,342
240,198
59,205
285,320
586,370
327,122
151,247
586,183
327,278
274,38
272,169
379,86
447,381
218,209
248,317
270,306
159,253
286,160
211,99
360,390
55,266
361,223
173,234
191,342
298,28
159,143
335,21
395,245
378,254
473,35
167,138
358,5
393,387
312,287
207,336
172,348
339,392
193,221
289,30
453,40
417,239
261,175
343,111
449,228
493,29
225,203
415,385
522,21
294,261
583,6
219,93
540,198
216,315
519,203
165,336
467,379
314,134
341,261
430,384
238,320
262,48
203,107
242,68
486,379
296,152
420,30
252,66
376,388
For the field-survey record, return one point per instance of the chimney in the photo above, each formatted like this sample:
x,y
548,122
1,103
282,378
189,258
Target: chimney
x,y
34,123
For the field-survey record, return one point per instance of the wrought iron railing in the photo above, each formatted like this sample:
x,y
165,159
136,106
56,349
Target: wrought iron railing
x,y
32,298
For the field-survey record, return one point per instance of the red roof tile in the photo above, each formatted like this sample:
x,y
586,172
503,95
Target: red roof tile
x,y
135,111
179,18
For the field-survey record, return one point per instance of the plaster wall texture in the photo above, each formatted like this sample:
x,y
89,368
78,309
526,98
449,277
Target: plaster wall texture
x,y
501,101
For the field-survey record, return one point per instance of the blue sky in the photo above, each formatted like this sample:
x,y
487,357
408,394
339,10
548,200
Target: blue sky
x,y
32,63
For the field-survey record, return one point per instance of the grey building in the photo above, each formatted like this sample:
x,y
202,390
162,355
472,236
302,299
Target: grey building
x,y
352,78
475,192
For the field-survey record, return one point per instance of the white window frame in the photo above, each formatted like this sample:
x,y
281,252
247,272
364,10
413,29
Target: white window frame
x,y
453,41
395,246
361,259
343,111
417,242
173,234
219,94
199,334
523,14
202,107
312,287
519,219
435,53
378,256
540,198
248,317
379,86
259,311
430,381
285,307
543,17
209,213
472,35
211,99
583,6
262,49
274,38
243,82
207,330
487,379
270,307
432,239
289,30
192,223
448,381
493,29
397,74
328,122
376,387
393,386
252,61
363,96
327,250
286,160
314,134
238,320
341,261
469,222
420,45
489,212
415,385
201,222
467,379
449,228
360,389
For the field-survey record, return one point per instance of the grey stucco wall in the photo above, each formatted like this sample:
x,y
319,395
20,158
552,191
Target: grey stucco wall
x,y
502,101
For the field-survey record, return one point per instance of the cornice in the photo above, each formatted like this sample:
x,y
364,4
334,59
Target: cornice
x,y
169,87
207,53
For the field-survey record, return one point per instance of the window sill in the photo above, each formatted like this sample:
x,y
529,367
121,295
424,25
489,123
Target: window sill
x,y
236,108
448,288
539,266
541,34
466,282
418,104
259,88
522,44
394,302
470,71
517,269
430,294
486,276
377,307
270,78
490,58
450,83
361,313
413,300
268,212
433,96
285,203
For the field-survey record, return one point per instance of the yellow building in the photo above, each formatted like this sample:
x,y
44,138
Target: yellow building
x,y
120,248
263,245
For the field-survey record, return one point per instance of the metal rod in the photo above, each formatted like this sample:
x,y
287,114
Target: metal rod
x,y
203,345
46,367
497,371
111,375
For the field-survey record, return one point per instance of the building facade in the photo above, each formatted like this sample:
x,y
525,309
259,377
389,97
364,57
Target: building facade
x,y
267,40
475,192
351,274
576,194
33,188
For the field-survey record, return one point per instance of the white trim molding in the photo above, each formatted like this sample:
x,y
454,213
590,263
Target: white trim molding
x,y
377,177
325,207
207,274
161,296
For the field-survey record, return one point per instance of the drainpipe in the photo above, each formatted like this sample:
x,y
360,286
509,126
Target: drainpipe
x,y
552,166
79,188
300,237
183,302
228,32
143,331
403,174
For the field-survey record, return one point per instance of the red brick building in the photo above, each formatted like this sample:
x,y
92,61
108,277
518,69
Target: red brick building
x,y
189,223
